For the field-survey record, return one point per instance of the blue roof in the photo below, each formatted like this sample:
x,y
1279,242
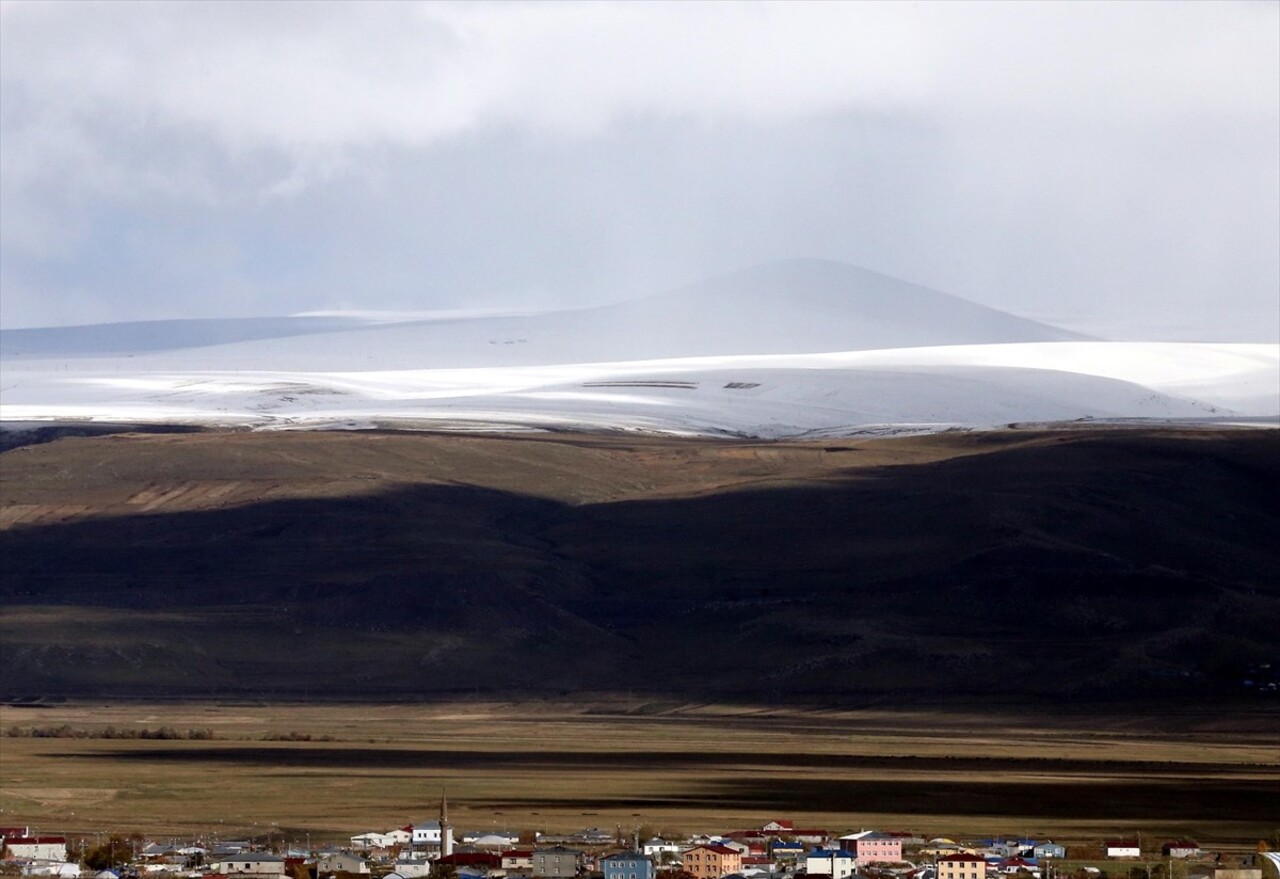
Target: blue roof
x,y
829,853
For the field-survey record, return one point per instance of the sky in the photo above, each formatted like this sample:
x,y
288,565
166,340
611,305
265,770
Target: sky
x,y
1109,166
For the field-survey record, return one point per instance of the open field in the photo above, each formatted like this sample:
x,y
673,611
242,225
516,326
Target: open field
x,y
553,767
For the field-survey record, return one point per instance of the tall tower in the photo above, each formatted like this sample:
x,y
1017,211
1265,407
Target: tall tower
x,y
446,829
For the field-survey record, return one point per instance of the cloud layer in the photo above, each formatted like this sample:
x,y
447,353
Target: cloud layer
x,y
276,156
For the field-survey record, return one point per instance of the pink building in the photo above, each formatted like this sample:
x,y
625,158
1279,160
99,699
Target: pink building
x,y
878,848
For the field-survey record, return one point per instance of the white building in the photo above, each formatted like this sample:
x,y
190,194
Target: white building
x,y
372,839
413,868
61,871
251,864
427,834
36,848
1123,848
834,862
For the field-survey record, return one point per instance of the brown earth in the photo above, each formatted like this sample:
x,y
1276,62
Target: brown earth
x,y
999,569
1077,777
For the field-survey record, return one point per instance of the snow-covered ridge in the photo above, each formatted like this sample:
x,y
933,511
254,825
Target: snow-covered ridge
x,y
764,395
740,354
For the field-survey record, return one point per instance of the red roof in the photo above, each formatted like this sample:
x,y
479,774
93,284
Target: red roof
x,y
471,859
1122,843
518,853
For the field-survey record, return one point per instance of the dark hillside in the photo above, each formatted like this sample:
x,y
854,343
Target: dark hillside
x,y
1079,565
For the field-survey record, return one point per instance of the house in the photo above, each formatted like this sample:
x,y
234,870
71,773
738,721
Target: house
x,y
1181,848
1123,848
1049,850
399,836
480,863
412,868
426,834
627,865
517,859
1012,866
56,870
787,851
556,861
961,866
837,863
711,861
251,864
341,862
661,849
877,848
35,848
783,828
370,840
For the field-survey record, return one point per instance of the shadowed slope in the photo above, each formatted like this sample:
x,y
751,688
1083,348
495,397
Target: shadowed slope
x,y
1093,565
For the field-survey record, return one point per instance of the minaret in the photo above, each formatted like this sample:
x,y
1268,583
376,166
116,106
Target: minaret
x,y
446,831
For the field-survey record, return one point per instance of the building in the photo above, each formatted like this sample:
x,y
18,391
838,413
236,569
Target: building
x,y
370,840
518,860
399,836
786,851
412,868
435,836
1181,848
251,864
478,862
341,862
556,861
877,848
498,839
35,848
627,865
837,863
1049,850
962,866
711,861
1123,848
660,849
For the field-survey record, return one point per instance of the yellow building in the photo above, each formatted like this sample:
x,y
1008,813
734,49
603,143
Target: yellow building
x,y
962,867
711,861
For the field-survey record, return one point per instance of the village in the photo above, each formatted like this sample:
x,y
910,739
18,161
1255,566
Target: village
x,y
432,849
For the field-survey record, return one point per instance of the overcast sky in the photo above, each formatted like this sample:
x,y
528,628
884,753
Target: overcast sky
x,y
1111,166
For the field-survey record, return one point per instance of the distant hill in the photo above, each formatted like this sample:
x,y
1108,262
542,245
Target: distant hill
x,y
950,569
787,307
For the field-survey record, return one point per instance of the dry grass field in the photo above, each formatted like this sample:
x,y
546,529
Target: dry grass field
x,y
549,766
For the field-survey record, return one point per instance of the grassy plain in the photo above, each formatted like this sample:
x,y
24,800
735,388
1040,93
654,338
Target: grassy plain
x,y
550,766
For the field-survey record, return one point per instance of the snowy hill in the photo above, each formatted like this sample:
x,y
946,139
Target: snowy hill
x,y
789,307
786,349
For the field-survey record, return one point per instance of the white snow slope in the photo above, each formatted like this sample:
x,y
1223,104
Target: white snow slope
x,y
751,354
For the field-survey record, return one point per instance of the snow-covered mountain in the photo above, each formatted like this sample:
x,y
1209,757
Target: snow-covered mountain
x,y
785,349
788,307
